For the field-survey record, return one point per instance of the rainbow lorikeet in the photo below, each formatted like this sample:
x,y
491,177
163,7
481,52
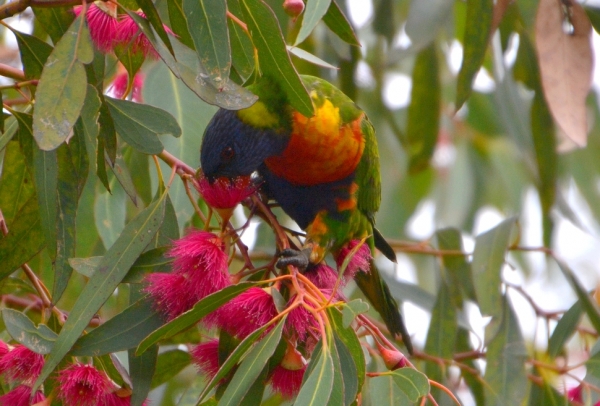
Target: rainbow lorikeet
x,y
323,171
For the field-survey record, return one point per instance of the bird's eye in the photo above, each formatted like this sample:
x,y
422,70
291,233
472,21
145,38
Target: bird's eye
x,y
227,154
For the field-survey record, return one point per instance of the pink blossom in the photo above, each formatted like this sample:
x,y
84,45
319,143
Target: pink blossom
x,y
199,269
20,396
293,8
287,376
3,350
102,24
322,276
21,365
130,36
245,313
119,86
225,193
206,357
360,261
300,322
82,385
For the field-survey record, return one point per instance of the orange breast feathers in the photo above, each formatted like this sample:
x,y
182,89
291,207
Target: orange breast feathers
x,y
321,149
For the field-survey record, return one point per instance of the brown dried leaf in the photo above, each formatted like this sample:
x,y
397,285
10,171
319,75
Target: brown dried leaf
x,y
566,63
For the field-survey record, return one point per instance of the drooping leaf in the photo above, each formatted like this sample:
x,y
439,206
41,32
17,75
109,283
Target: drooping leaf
x,y
318,386
424,110
24,240
152,15
587,303
141,370
545,394
16,185
59,95
457,268
45,165
122,332
564,329
477,34
169,364
348,371
505,370
337,396
67,201
117,261
348,337
307,56
566,64
488,260
38,339
10,129
273,56
34,53
192,316
55,20
242,50
441,336
314,12
140,124
179,22
252,366
339,24
383,390
207,24
425,20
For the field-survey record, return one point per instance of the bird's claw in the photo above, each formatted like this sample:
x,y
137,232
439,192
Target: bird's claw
x,y
298,258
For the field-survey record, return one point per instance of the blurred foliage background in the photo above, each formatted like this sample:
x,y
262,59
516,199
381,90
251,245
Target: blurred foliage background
x,y
453,154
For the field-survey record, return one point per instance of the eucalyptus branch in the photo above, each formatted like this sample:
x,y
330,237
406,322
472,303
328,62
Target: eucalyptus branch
x,y
7,70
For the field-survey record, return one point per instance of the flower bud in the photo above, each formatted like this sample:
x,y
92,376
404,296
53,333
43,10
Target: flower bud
x,y
393,359
293,8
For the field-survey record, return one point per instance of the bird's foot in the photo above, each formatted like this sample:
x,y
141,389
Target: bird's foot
x,y
298,258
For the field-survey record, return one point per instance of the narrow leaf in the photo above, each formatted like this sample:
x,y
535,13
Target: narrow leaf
x,y
488,260
318,386
169,364
587,303
307,56
424,110
34,53
339,24
141,371
272,54
45,167
314,12
252,366
505,370
152,15
350,340
59,95
16,186
353,309
192,316
24,240
117,261
122,332
242,50
477,34
207,24
564,329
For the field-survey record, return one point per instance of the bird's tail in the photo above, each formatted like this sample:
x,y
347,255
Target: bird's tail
x,y
378,293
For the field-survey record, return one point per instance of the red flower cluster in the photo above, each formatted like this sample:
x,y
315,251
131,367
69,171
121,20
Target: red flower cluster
x,y
109,30
199,269
20,366
84,385
225,193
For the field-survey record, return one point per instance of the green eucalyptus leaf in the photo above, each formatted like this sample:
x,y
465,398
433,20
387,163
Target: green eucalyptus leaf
x,y
314,12
317,388
273,55
122,332
141,371
413,383
117,261
59,95
564,329
339,24
38,339
353,309
169,364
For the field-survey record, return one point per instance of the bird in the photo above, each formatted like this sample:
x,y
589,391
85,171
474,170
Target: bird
x,y
322,170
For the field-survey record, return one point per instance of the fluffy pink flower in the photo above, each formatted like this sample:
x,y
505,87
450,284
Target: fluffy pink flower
x,y
102,24
3,349
21,365
119,86
322,276
20,396
575,394
225,193
299,322
360,261
82,385
287,376
206,357
245,313
129,35
199,269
